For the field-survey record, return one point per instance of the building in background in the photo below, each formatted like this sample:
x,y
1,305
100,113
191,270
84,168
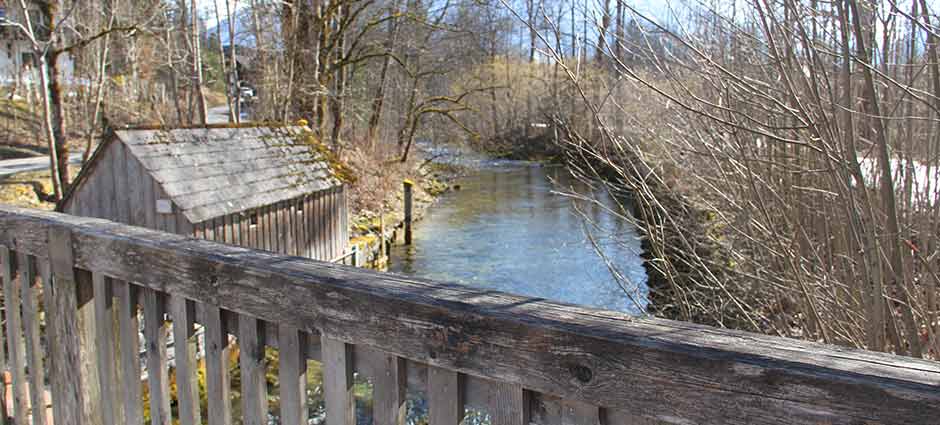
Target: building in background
x,y
258,187
18,63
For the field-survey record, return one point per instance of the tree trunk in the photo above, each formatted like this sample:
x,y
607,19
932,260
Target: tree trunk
x,y
229,83
602,33
339,98
52,100
197,66
379,100
230,10
618,41
100,83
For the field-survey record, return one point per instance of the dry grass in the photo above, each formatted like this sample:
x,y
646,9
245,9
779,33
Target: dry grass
x,y
20,189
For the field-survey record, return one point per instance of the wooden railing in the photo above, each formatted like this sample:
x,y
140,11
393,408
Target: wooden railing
x,y
519,360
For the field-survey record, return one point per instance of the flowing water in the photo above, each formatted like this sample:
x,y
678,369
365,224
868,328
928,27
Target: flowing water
x,y
510,229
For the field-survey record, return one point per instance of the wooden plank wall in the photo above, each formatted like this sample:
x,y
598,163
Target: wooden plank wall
x,y
120,189
312,226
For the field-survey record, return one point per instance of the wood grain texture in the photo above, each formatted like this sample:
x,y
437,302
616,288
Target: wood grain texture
x,y
579,413
184,346
121,184
292,376
3,339
88,350
12,282
155,336
137,195
104,338
508,404
445,397
252,363
31,326
389,390
338,382
317,218
62,324
218,382
128,327
598,357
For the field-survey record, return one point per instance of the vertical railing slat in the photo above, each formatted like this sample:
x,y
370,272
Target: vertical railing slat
x,y
292,375
217,378
508,404
445,397
252,363
389,391
155,335
184,346
129,328
15,343
338,396
88,349
4,415
62,325
34,350
105,339
579,413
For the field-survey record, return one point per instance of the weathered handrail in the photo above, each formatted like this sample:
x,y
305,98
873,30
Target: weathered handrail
x,y
521,359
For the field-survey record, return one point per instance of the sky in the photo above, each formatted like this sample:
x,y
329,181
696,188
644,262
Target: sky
x,y
207,7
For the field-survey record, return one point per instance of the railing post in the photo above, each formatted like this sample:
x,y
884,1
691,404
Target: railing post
x,y
70,322
408,187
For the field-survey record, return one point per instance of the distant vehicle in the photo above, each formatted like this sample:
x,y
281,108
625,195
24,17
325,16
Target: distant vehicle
x,y
247,93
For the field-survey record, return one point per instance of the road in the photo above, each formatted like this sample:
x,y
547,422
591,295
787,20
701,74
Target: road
x,y
8,167
219,115
13,166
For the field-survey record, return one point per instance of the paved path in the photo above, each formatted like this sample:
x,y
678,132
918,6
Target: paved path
x,y
219,115
14,166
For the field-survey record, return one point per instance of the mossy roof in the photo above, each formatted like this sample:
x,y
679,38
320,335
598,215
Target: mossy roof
x,y
216,171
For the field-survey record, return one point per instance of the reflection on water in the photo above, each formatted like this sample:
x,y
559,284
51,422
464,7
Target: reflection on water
x,y
506,229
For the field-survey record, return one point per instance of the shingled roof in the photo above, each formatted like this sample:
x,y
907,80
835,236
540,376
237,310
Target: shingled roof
x,y
212,172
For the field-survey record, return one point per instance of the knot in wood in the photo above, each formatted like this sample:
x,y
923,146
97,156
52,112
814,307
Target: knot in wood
x,y
581,373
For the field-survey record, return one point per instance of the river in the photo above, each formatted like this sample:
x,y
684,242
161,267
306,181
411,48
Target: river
x,y
509,228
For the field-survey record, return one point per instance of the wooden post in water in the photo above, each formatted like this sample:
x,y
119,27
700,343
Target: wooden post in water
x,y
408,210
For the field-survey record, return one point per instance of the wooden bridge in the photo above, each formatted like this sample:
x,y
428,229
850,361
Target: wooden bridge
x,y
520,360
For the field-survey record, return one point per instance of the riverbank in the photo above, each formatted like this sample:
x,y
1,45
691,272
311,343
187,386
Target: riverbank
x,y
538,144
376,199
691,275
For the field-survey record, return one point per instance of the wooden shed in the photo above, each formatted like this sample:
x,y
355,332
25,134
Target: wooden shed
x,y
259,187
